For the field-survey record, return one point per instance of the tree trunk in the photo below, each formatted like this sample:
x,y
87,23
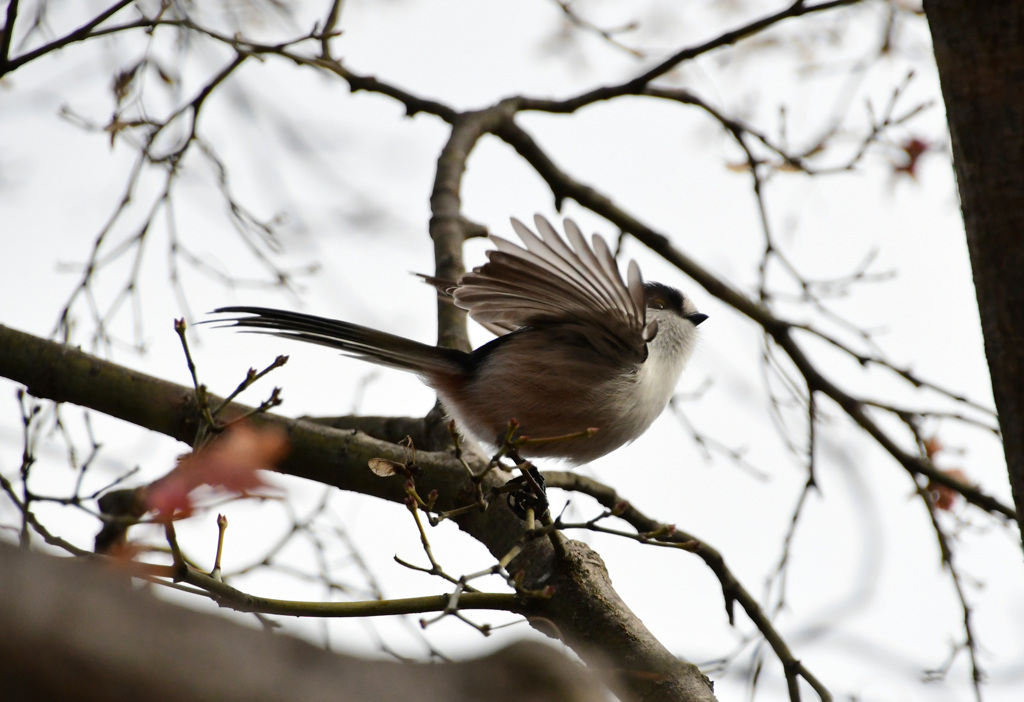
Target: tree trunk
x,y
979,49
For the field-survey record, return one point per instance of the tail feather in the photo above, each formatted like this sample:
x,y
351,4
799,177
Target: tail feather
x,y
362,342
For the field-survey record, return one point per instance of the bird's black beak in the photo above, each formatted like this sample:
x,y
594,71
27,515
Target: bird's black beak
x,y
696,317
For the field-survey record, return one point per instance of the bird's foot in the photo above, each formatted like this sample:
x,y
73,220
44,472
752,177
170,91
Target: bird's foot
x,y
529,493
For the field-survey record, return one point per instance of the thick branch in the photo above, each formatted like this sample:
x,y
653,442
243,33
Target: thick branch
x,y
448,228
732,590
585,610
6,35
981,72
77,632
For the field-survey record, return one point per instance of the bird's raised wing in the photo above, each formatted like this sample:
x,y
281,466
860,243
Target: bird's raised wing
x,y
551,282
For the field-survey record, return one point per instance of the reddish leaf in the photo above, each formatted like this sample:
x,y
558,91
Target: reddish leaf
x,y
912,149
231,463
944,496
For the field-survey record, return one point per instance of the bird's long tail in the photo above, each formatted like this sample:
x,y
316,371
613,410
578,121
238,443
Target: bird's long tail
x,y
362,342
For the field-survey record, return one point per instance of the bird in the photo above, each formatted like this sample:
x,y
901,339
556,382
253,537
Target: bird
x,y
578,348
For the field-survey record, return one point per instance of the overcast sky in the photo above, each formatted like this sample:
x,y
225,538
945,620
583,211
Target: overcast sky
x,y
349,176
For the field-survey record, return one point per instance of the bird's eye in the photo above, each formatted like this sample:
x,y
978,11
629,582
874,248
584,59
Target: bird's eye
x,y
657,303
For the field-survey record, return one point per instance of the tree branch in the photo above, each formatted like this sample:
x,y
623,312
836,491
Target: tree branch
x,y
82,33
732,589
76,632
980,73
780,331
585,611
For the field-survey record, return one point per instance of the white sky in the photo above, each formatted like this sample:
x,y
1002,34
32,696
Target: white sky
x,y
868,605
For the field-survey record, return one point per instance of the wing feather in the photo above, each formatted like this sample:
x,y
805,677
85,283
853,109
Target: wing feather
x,y
548,281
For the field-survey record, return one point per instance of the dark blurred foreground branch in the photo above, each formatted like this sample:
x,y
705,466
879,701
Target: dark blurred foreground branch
x,y
585,610
77,632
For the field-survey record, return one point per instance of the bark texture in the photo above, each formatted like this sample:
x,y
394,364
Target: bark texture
x,y
584,610
77,632
979,49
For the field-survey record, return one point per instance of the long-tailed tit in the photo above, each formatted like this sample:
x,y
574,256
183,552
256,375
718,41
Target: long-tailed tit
x,y
577,348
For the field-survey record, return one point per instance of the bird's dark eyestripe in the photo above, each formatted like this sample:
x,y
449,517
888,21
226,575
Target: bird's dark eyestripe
x,y
662,297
